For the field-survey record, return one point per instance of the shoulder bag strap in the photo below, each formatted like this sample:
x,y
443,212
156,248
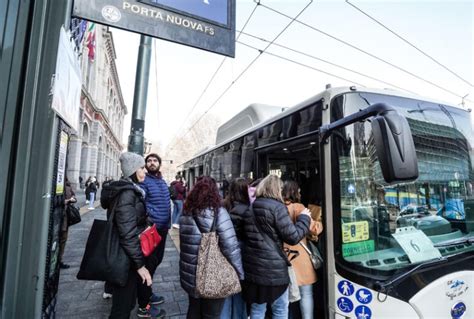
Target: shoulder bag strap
x,y
213,226
270,241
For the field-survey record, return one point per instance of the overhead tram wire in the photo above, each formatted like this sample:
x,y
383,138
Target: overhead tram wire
x,y
247,68
212,78
326,61
409,43
301,64
361,50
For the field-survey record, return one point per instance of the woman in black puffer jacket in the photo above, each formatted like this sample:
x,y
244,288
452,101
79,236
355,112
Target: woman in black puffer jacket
x,y
268,226
201,205
127,198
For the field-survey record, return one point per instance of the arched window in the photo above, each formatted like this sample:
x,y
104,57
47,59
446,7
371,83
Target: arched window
x,y
85,133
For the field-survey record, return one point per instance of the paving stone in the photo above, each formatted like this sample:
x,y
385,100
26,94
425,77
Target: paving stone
x,y
170,278
183,306
164,286
171,308
80,299
180,295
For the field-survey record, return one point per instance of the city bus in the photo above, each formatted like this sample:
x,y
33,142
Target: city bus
x,y
394,176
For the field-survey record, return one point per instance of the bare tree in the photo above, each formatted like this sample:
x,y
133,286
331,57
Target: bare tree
x,y
190,142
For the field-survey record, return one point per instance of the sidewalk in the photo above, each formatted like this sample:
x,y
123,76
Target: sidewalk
x,y
79,299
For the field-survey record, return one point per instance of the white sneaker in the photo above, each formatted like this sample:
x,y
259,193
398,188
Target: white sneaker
x,y
106,295
91,208
87,202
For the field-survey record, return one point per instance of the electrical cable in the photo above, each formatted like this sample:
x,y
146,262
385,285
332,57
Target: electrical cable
x,y
245,69
409,43
328,62
301,64
360,50
210,81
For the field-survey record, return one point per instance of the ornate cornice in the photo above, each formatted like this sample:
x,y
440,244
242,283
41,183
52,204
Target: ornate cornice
x,y
109,43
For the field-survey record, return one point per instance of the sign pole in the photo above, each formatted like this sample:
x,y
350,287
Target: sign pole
x,y
137,129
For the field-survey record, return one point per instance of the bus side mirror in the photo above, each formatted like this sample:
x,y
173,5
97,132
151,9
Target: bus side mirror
x,y
395,147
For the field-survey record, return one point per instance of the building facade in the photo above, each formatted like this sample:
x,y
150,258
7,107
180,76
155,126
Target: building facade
x,y
95,149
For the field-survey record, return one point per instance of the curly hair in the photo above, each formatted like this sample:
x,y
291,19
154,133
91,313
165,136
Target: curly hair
x,y
204,195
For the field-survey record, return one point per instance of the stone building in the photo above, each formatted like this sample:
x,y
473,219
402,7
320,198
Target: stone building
x,y
95,150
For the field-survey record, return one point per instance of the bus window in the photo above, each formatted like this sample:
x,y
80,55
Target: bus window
x,y
216,165
207,164
270,133
310,118
435,207
247,159
232,158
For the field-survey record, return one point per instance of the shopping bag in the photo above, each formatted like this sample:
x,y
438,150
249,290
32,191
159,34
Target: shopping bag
x,y
104,258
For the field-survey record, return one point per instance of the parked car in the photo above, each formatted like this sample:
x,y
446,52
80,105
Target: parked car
x,y
410,214
420,218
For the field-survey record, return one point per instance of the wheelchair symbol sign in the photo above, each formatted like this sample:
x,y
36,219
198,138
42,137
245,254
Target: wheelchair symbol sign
x,y
345,304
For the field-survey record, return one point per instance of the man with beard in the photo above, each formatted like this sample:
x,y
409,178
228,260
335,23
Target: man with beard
x,y
158,206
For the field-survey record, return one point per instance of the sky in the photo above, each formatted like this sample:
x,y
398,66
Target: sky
x,y
179,74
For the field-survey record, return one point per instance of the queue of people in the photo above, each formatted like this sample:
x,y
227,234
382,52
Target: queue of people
x,y
264,228
257,224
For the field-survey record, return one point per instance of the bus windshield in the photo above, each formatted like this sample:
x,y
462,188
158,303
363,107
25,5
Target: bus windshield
x,y
392,226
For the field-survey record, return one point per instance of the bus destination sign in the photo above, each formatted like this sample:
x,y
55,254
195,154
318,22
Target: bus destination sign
x,y
203,24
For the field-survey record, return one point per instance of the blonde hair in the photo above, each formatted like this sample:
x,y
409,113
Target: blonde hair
x,y
270,187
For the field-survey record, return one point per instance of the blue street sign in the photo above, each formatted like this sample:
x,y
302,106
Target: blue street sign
x,y
213,10
364,296
203,24
363,312
345,287
345,304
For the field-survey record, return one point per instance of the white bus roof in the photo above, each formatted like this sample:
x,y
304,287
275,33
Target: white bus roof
x,y
249,117
328,94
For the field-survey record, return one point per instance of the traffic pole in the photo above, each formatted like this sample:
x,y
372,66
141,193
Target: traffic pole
x,y
136,138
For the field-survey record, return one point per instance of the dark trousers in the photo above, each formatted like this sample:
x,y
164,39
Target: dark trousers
x,y
124,298
151,263
205,308
62,244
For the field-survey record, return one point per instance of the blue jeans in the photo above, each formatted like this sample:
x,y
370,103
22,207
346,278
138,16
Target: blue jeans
x,y
306,302
91,200
177,209
234,308
279,308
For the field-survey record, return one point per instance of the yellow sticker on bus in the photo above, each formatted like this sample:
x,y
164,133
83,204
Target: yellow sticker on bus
x,y
357,231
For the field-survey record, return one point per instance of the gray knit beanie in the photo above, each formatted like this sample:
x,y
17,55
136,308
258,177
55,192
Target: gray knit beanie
x,y
130,163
